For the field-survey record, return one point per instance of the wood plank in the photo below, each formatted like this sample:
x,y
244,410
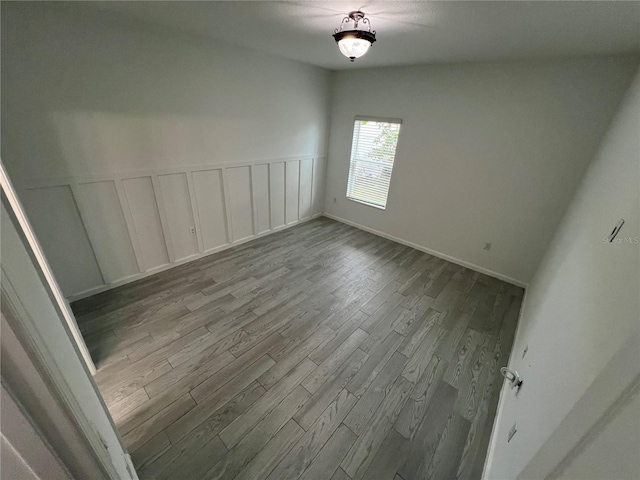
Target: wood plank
x,y
362,453
340,475
418,332
330,456
182,450
200,459
460,362
377,360
385,313
378,300
305,450
150,451
360,415
147,410
321,353
419,361
156,424
247,448
320,400
273,453
239,365
425,441
446,458
127,405
210,348
410,317
208,406
458,288
245,422
388,458
327,368
169,343
133,380
416,407
286,364
190,373
457,326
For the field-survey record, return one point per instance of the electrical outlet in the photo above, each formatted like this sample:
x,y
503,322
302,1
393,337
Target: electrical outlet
x,y
512,432
192,230
487,246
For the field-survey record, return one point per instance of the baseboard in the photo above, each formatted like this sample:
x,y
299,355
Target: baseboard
x,y
162,268
435,253
168,266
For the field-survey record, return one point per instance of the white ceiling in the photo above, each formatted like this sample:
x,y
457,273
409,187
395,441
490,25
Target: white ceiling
x,y
409,32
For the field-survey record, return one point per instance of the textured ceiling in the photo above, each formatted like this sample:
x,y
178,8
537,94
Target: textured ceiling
x,y
409,32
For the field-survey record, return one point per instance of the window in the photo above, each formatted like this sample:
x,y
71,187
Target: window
x,y
372,154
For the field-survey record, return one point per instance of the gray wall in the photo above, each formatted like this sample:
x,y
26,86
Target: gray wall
x,y
123,137
486,153
582,305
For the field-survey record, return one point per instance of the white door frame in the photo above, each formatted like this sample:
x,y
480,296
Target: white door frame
x,y
11,195
45,327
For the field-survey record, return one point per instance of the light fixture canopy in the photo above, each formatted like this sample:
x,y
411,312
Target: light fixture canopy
x,y
354,43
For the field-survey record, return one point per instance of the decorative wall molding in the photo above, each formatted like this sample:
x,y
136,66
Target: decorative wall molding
x,y
105,230
52,181
168,266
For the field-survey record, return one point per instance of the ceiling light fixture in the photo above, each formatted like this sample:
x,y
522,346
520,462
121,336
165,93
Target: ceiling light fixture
x,y
354,43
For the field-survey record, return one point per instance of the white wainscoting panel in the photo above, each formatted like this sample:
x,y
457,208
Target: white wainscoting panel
x,y
55,218
306,179
179,215
317,192
240,203
104,220
260,183
277,186
146,219
211,209
101,231
293,182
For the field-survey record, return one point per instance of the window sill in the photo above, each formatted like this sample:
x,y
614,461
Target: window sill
x,y
368,204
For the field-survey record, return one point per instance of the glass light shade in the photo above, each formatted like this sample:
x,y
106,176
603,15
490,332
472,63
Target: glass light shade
x,y
354,43
353,47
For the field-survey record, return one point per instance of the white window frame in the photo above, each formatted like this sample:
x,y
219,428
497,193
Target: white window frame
x,y
349,193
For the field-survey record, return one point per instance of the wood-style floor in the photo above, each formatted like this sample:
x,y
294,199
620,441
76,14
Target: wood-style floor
x,y
319,352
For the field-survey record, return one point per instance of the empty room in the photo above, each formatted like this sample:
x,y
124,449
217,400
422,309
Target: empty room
x,y
390,240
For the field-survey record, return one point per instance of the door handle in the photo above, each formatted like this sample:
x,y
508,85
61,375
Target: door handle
x,y
512,377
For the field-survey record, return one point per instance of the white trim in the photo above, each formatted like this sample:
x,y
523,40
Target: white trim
x,y
47,273
73,188
131,228
435,253
254,207
227,201
67,396
167,266
493,439
269,193
45,182
377,119
164,222
195,213
154,175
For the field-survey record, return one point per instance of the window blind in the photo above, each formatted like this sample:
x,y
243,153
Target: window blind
x,y
373,151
